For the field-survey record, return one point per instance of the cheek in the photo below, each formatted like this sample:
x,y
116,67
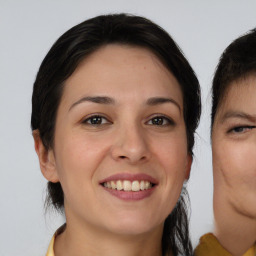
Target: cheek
x,y
172,155
78,157
235,162
78,160
234,167
174,160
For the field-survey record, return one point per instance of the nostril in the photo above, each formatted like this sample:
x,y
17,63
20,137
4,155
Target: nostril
x,y
122,157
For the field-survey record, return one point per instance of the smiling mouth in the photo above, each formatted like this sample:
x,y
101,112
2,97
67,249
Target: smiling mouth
x,y
127,185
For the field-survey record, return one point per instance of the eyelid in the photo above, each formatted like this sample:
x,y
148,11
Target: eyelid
x,y
232,130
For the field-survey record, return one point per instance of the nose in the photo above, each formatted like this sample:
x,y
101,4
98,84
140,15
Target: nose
x,y
131,145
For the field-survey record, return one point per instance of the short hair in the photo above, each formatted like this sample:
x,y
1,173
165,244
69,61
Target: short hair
x,y
83,40
237,61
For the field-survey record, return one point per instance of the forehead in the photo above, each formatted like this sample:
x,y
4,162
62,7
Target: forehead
x,y
240,90
122,69
239,95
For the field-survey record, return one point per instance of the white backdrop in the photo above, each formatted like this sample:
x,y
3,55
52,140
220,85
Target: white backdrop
x,y
28,28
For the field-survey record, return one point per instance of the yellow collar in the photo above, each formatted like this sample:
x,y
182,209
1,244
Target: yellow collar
x,y
50,251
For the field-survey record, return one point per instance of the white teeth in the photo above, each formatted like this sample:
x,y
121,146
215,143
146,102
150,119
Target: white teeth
x,y
135,186
147,185
127,185
119,185
142,185
113,185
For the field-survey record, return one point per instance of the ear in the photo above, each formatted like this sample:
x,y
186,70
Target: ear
x,y
46,159
188,166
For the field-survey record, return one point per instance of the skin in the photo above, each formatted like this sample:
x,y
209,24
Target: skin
x,y
234,165
126,141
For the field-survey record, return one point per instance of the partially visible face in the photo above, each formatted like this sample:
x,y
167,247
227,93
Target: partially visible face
x,y
234,148
120,144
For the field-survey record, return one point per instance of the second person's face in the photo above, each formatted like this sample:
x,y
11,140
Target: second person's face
x,y
120,144
234,148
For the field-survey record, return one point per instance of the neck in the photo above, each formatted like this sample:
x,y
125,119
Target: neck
x,y
235,231
77,240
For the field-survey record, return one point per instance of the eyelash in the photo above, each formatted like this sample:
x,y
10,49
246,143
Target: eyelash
x,y
237,129
89,120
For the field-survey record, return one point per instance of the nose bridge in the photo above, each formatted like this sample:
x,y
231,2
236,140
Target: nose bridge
x,y
131,143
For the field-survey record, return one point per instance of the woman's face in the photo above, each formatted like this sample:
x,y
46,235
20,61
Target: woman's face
x,y
234,148
120,148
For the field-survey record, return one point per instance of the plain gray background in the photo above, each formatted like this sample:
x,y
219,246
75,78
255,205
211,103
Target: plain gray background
x,y
27,30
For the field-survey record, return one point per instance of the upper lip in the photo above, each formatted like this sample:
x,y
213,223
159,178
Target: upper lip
x,y
130,177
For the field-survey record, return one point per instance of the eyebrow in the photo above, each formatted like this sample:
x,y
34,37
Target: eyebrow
x,y
110,101
96,99
160,100
239,115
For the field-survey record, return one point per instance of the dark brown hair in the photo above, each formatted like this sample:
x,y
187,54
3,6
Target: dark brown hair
x,y
77,44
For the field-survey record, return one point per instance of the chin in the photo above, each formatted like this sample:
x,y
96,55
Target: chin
x,y
138,226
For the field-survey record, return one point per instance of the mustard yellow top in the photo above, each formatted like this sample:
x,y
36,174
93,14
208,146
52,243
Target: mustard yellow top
x,y
50,251
210,246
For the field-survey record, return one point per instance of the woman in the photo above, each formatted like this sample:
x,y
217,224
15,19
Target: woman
x,y
115,108
234,150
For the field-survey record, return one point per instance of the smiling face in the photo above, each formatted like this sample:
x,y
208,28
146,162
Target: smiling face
x,y
120,147
234,149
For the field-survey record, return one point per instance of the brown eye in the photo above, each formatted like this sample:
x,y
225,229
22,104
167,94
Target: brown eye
x,y
96,120
160,121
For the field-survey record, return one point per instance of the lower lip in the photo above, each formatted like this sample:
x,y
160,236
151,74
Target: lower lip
x,y
130,195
